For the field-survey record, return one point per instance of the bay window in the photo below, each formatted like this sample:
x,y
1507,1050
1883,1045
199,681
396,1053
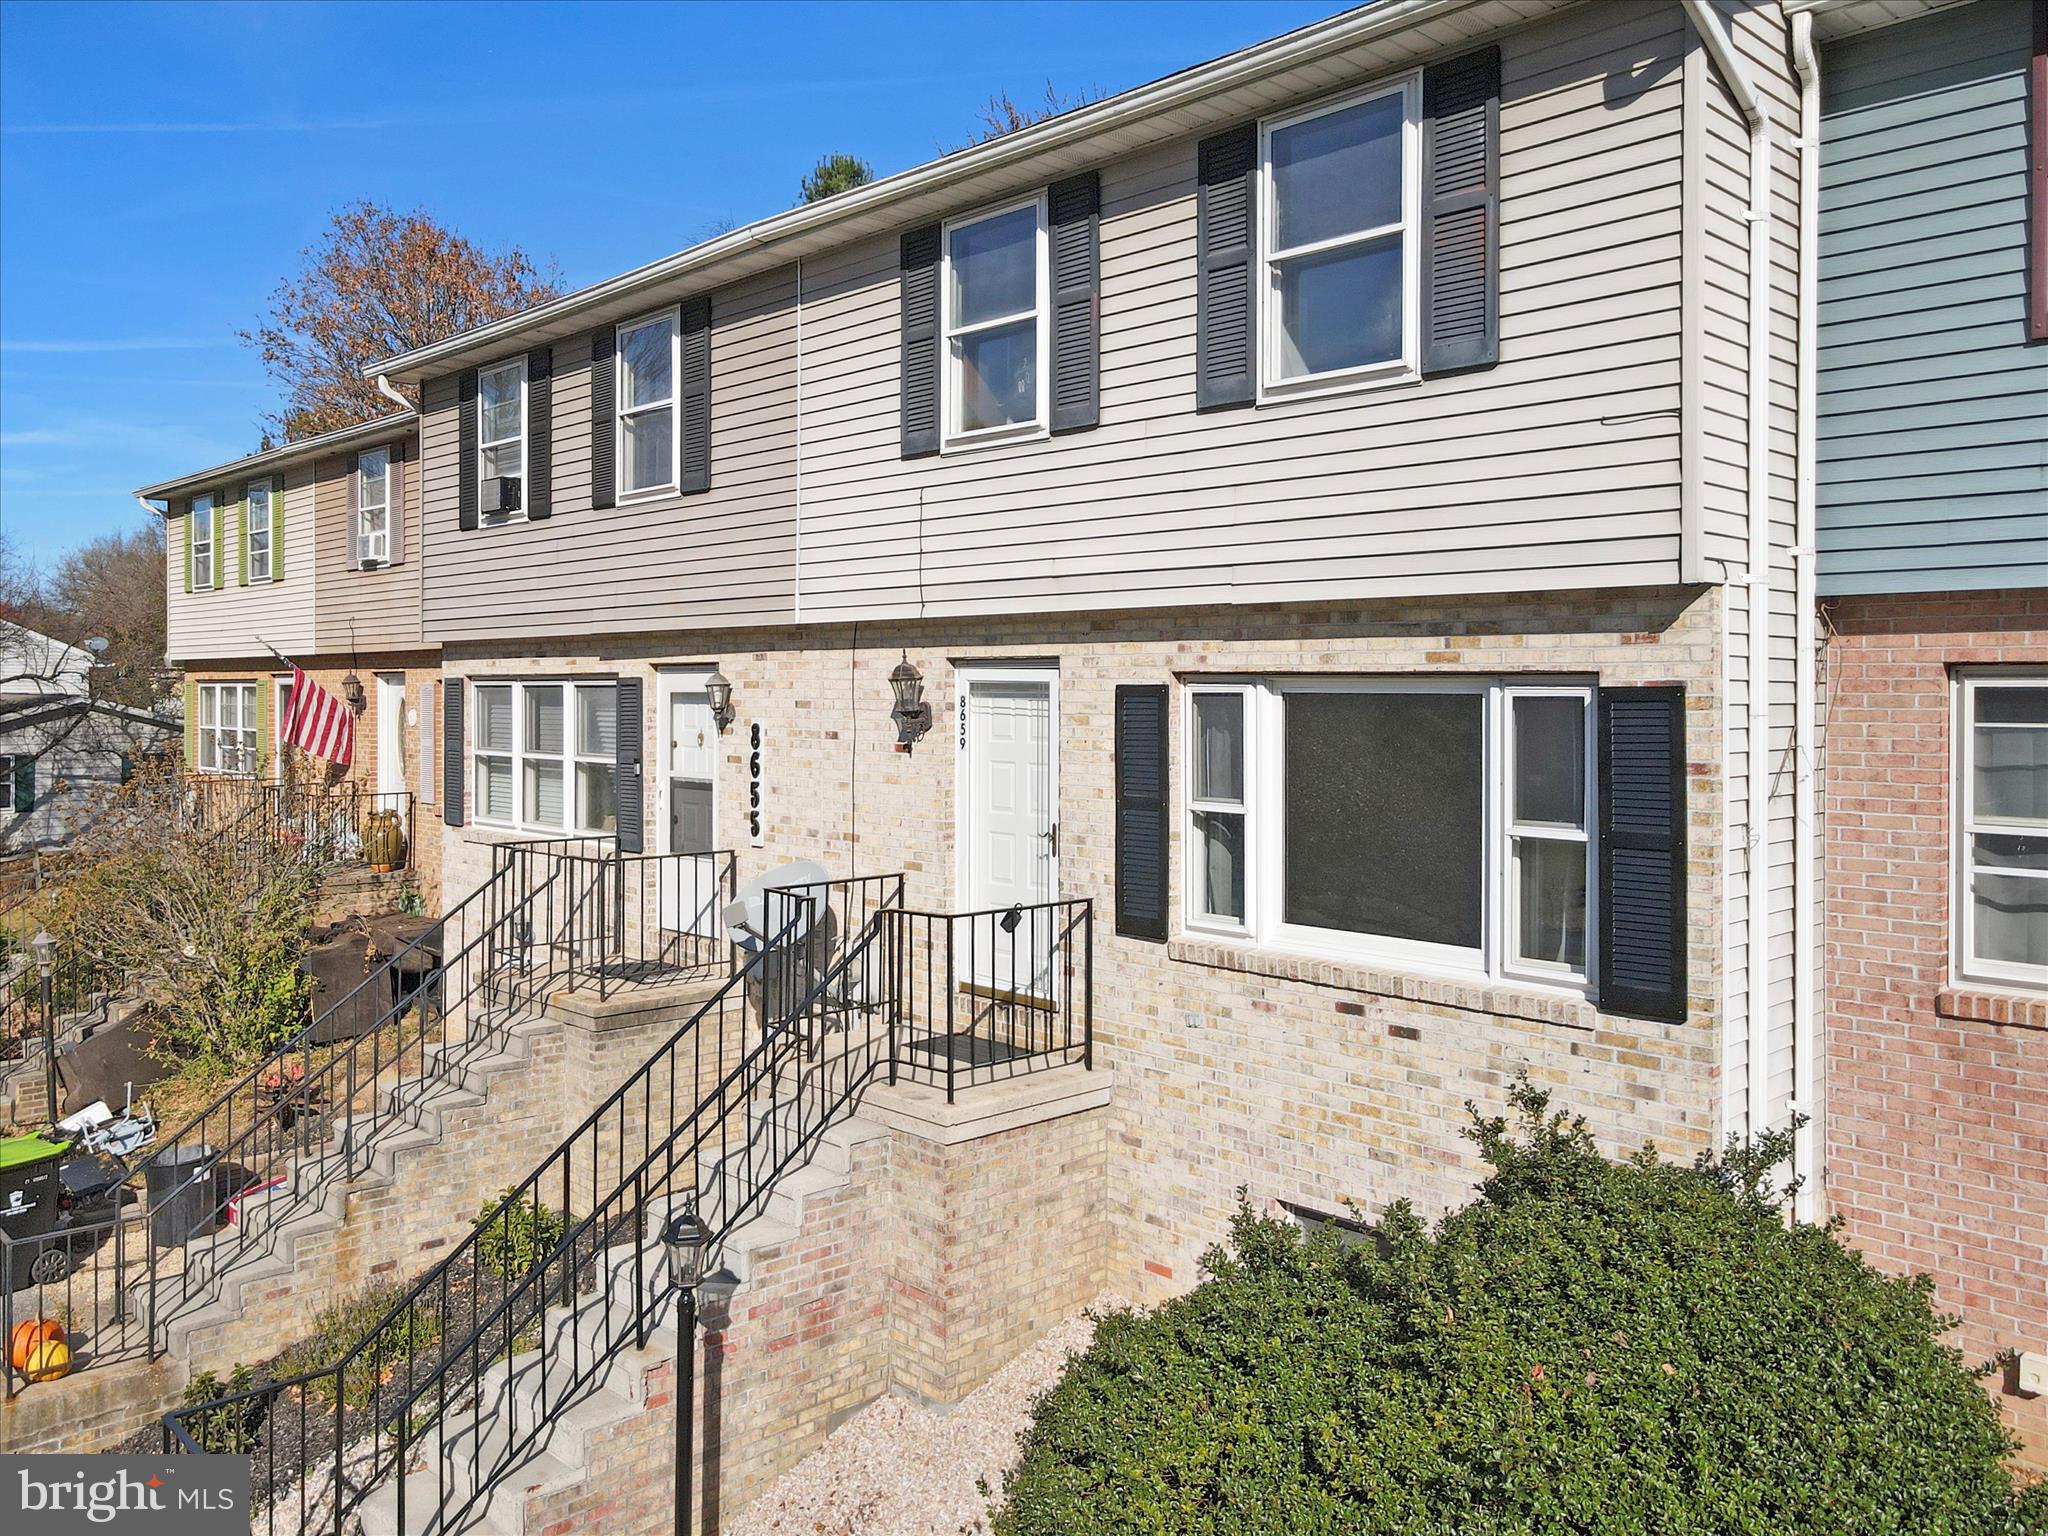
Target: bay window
x,y
2002,829
1337,241
373,506
532,772
994,289
647,400
1437,823
258,527
225,735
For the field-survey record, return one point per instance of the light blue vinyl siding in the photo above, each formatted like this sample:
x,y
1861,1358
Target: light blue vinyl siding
x,y
1933,462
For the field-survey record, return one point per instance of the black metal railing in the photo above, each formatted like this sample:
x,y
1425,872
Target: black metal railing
x,y
85,1273
448,1389
345,823
981,996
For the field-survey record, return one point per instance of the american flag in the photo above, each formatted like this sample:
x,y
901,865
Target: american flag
x,y
317,722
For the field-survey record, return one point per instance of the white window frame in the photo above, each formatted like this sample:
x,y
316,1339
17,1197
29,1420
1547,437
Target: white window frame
x,y
1964,966
207,738
202,548
269,493
280,710
519,756
951,437
1407,367
484,444
572,732
1266,831
1512,833
673,405
373,549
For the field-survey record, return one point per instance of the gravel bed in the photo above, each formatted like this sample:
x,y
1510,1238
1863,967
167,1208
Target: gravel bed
x,y
898,1469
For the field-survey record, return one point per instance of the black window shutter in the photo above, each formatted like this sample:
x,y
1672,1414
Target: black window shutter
x,y
1226,241
452,764
24,784
628,790
1642,853
693,395
604,480
920,259
465,449
1461,213
1141,811
1074,212
540,425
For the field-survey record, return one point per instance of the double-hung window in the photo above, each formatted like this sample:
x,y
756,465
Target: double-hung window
x,y
1338,241
647,404
225,736
1445,823
373,506
532,771
202,540
994,288
257,530
2002,831
501,423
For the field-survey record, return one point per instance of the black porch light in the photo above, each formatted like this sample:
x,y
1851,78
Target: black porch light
x,y
352,692
685,1239
912,715
718,694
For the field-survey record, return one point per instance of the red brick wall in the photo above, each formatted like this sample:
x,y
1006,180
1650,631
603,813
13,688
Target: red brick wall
x,y
1937,1100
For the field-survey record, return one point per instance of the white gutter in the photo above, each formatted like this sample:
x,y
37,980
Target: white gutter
x,y
1806,999
1248,65
1756,952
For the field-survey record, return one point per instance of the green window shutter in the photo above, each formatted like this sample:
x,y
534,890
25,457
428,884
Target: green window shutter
x,y
242,539
220,541
24,784
191,725
266,690
187,521
277,527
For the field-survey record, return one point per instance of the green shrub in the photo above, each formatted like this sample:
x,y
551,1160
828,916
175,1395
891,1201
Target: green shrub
x,y
230,1429
1590,1346
515,1240
386,1349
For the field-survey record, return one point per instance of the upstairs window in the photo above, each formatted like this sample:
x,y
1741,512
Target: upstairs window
x,y
994,286
501,424
202,541
2002,832
258,529
373,506
646,410
1338,250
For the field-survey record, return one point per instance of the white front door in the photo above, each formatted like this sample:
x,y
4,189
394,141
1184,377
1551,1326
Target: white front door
x,y
688,799
390,735
1010,828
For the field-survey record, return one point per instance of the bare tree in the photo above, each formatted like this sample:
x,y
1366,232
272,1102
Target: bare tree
x,y
1002,115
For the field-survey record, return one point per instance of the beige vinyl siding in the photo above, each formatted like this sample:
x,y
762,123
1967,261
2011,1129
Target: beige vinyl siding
x,y
364,609
226,622
1508,479
722,557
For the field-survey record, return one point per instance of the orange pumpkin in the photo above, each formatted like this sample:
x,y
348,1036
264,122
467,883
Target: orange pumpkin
x,y
48,1361
27,1336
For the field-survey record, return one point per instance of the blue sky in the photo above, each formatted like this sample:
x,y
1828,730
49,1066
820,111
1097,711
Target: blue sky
x,y
149,207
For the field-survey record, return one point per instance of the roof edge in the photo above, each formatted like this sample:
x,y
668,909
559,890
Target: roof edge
x,y
284,453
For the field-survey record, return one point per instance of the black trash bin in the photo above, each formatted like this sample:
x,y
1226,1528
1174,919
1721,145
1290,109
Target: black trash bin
x,y
183,1186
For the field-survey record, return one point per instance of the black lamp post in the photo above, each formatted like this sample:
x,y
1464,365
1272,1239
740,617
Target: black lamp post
x,y
688,1243
45,949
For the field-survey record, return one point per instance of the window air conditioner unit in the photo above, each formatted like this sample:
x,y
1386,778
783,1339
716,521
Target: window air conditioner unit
x,y
499,495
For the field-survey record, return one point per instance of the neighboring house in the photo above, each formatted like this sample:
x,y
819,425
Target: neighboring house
x,y
1337,501
61,749
1932,492
301,554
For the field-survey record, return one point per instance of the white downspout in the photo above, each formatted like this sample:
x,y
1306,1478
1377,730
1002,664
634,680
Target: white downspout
x,y
1756,954
1806,1164
384,388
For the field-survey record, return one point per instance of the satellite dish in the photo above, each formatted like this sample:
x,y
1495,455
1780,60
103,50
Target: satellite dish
x,y
746,916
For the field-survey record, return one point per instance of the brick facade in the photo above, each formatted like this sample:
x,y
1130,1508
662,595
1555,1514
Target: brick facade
x,y
1310,1081
1937,1097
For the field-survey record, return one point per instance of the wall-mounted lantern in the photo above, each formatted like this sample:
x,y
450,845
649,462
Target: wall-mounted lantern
x,y
352,693
718,694
912,715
